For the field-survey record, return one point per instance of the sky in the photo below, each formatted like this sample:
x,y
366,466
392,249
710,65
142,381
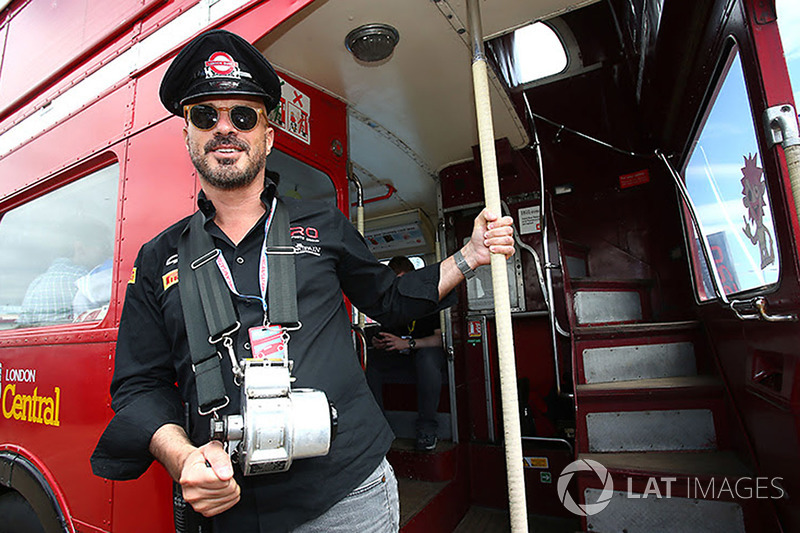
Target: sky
x,y
789,25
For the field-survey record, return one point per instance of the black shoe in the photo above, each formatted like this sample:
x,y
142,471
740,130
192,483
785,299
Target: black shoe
x,y
426,443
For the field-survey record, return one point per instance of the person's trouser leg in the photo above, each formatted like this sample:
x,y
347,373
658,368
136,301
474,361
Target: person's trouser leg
x,y
372,507
428,362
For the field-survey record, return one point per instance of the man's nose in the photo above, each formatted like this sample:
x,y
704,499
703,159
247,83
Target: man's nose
x,y
224,124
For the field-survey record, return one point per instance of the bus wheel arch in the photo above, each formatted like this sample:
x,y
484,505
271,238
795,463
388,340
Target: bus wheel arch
x,y
22,483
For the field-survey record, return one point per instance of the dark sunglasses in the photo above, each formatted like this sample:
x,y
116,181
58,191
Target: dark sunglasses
x,y
205,116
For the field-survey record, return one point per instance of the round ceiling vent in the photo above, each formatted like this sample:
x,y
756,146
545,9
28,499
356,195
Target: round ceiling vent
x,y
372,42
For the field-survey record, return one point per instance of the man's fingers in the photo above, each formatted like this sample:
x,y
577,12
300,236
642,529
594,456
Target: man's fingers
x,y
212,502
219,460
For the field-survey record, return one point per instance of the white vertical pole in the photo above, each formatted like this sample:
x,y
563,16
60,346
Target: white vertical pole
x,y
502,303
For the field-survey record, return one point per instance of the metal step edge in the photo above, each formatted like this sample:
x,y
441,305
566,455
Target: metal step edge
x,y
635,329
667,515
651,430
609,364
716,463
612,306
681,384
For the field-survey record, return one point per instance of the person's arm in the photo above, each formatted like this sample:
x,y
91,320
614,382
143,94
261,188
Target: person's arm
x,y
390,342
205,474
143,391
490,234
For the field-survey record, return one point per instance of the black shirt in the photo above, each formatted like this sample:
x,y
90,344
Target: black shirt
x,y
153,354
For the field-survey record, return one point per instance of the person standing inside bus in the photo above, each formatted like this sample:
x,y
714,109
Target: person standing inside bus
x,y
418,342
224,88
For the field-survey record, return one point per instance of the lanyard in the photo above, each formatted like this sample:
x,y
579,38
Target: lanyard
x,y
263,269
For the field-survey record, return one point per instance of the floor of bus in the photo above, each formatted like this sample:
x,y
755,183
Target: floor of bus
x,y
415,495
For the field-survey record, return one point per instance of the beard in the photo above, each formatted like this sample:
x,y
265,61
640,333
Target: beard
x,y
226,175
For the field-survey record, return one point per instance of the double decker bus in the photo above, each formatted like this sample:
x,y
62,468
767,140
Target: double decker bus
x,y
648,151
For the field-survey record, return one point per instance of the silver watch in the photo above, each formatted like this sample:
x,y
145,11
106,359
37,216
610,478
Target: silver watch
x,y
462,265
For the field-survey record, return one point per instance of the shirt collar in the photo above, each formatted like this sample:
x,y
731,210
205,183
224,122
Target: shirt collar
x,y
206,206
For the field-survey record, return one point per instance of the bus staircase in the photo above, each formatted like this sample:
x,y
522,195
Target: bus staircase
x,y
433,485
653,411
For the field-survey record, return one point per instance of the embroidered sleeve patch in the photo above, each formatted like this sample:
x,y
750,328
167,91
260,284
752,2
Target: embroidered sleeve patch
x,y
170,278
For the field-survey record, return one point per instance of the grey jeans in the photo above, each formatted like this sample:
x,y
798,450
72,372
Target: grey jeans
x,y
372,507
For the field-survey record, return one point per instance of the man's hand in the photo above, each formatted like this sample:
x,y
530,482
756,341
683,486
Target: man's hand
x,y
207,480
205,474
490,234
389,342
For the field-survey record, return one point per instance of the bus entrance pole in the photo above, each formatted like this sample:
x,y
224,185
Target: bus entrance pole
x,y
502,304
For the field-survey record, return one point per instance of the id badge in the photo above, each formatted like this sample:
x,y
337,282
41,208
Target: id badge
x,y
266,342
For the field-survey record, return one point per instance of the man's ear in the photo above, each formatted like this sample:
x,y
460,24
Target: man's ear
x,y
269,139
186,136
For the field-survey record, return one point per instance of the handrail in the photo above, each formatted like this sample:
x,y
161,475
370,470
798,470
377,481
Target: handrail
x,y
706,247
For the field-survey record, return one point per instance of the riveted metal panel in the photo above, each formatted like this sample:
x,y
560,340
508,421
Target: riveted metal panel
x,y
636,431
663,515
599,307
643,361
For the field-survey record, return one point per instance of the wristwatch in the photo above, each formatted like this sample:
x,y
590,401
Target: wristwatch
x,y
462,265
412,344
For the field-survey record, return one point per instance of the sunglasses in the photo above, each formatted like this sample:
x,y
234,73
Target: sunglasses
x,y
205,116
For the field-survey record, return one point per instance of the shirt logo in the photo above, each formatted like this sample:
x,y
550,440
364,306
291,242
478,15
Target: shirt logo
x,y
170,278
132,279
221,64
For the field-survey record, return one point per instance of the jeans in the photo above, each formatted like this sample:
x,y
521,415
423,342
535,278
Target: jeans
x,y
372,507
427,367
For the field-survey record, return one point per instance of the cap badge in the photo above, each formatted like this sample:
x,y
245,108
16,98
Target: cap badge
x,y
221,64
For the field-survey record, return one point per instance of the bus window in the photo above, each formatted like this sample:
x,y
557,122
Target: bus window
x,y
725,179
56,265
789,24
300,180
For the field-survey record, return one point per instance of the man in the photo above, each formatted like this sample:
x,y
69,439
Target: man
x,y
224,88
421,340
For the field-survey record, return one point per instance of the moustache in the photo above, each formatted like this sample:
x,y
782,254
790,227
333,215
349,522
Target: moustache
x,y
226,140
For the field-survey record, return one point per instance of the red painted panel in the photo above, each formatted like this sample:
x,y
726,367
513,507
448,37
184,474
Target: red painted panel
x,y
47,36
78,392
159,189
97,127
144,504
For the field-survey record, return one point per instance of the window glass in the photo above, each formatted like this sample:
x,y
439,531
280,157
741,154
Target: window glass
x,y
300,180
789,26
726,182
527,54
56,265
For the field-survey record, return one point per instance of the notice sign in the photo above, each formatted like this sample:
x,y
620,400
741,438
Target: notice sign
x,y
632,180
293,114
530,220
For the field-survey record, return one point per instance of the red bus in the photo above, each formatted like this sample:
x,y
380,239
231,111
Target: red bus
x,y
648,151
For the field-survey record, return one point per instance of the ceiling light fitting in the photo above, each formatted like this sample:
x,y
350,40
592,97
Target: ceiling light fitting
x,y
372,42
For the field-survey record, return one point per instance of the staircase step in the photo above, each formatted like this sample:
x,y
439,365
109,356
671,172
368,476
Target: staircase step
x,y
608,364
723,463
415,495
651,430
603,307
652,489
681,385
617,331
438,465
664,515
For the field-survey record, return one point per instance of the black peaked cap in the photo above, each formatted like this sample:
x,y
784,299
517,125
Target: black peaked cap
x,y
218,63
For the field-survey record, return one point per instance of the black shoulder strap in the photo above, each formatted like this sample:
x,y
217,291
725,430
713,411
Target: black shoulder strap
x,y
282,304
207,306
207,311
